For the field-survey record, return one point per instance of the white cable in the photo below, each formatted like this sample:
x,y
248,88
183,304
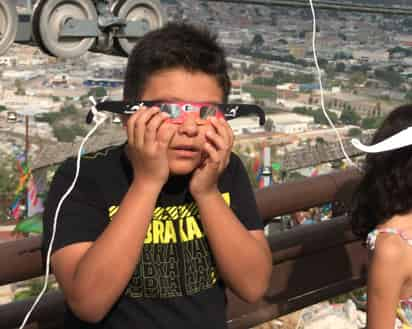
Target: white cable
x,y
322,100
99,118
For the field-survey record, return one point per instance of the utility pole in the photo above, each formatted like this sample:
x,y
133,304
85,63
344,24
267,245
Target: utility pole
x,y
26,154
267,175
267,167
27,142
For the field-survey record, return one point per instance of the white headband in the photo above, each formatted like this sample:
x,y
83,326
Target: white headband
x,y
397,141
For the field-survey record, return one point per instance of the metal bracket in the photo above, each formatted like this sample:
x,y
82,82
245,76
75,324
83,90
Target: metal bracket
x,y
75,28
79,28
132,29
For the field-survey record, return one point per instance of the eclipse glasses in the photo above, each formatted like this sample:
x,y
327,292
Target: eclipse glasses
x,y
179,111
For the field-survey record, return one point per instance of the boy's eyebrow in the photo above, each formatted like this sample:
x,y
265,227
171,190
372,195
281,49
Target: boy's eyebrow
x,y
166,100
178,100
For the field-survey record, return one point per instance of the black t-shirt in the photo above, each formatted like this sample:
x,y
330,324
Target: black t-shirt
x,y
175,284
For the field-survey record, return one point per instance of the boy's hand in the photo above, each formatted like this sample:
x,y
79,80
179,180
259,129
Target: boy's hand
x,y
148,140
218,146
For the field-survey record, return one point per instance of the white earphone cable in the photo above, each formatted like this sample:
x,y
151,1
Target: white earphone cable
x,y
322,98
99,118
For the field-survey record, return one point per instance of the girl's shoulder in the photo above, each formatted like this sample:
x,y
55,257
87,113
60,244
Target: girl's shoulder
x,y
378,232
391,244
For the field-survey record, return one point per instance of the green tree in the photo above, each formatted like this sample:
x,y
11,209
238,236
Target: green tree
x,y
340,67
330,71
355,132
342,36
3,108
372,123
393,78
268,125
69,109
320,118
19,87
49,117
350,117
257,41
8,183
33,288
408,96
320,141
357,78
97,92
67,134
302,110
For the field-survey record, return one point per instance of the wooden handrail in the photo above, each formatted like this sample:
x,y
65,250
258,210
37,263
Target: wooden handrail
x,y
310,263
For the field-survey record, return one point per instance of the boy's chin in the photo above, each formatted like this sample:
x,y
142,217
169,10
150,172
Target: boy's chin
x,y
182,167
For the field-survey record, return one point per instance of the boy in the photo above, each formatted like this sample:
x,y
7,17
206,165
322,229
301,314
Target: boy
x,y
156,228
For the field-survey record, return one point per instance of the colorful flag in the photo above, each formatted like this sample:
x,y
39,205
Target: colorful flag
x,y
22,183
22,164
261,182
276,166
15,209
256,164
315,172
30,225
34,203
260,178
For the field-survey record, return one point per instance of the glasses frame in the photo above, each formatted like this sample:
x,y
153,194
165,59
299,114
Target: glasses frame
x,y
227,111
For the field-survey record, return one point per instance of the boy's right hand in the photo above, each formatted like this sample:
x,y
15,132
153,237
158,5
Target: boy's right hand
x,y
148,139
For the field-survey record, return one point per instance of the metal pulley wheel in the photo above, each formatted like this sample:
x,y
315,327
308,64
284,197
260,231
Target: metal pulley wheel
x,y
38,7
8,25
49,16
149,12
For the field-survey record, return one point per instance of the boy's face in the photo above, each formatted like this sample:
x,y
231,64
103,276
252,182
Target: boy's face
x,y
185,151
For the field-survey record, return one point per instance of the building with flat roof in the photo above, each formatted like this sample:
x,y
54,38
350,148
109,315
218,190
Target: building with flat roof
x,y
290,123
245,125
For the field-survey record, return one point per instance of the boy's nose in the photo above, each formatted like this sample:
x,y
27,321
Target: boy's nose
x,y
189,126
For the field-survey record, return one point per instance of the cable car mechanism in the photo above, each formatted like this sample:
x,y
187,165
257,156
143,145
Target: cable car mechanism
x,y
70,28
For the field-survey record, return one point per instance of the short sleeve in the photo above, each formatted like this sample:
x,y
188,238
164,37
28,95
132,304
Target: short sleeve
x,y
82,216
242,196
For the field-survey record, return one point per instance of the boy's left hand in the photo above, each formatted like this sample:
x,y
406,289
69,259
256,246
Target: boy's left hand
x,y
219,142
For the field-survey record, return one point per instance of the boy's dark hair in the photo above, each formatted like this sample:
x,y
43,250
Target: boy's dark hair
x,y
386,187
176,45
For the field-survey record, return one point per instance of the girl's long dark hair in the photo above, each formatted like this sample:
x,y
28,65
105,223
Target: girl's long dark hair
x,y
386,187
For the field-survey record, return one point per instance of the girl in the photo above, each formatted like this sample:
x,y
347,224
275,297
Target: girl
x,y
382,215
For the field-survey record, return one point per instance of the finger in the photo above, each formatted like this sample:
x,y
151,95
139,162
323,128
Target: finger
x,y
229,131
213,155
166,132
130,127
140,125
153,126
229,145
224,144
220,129
217,141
